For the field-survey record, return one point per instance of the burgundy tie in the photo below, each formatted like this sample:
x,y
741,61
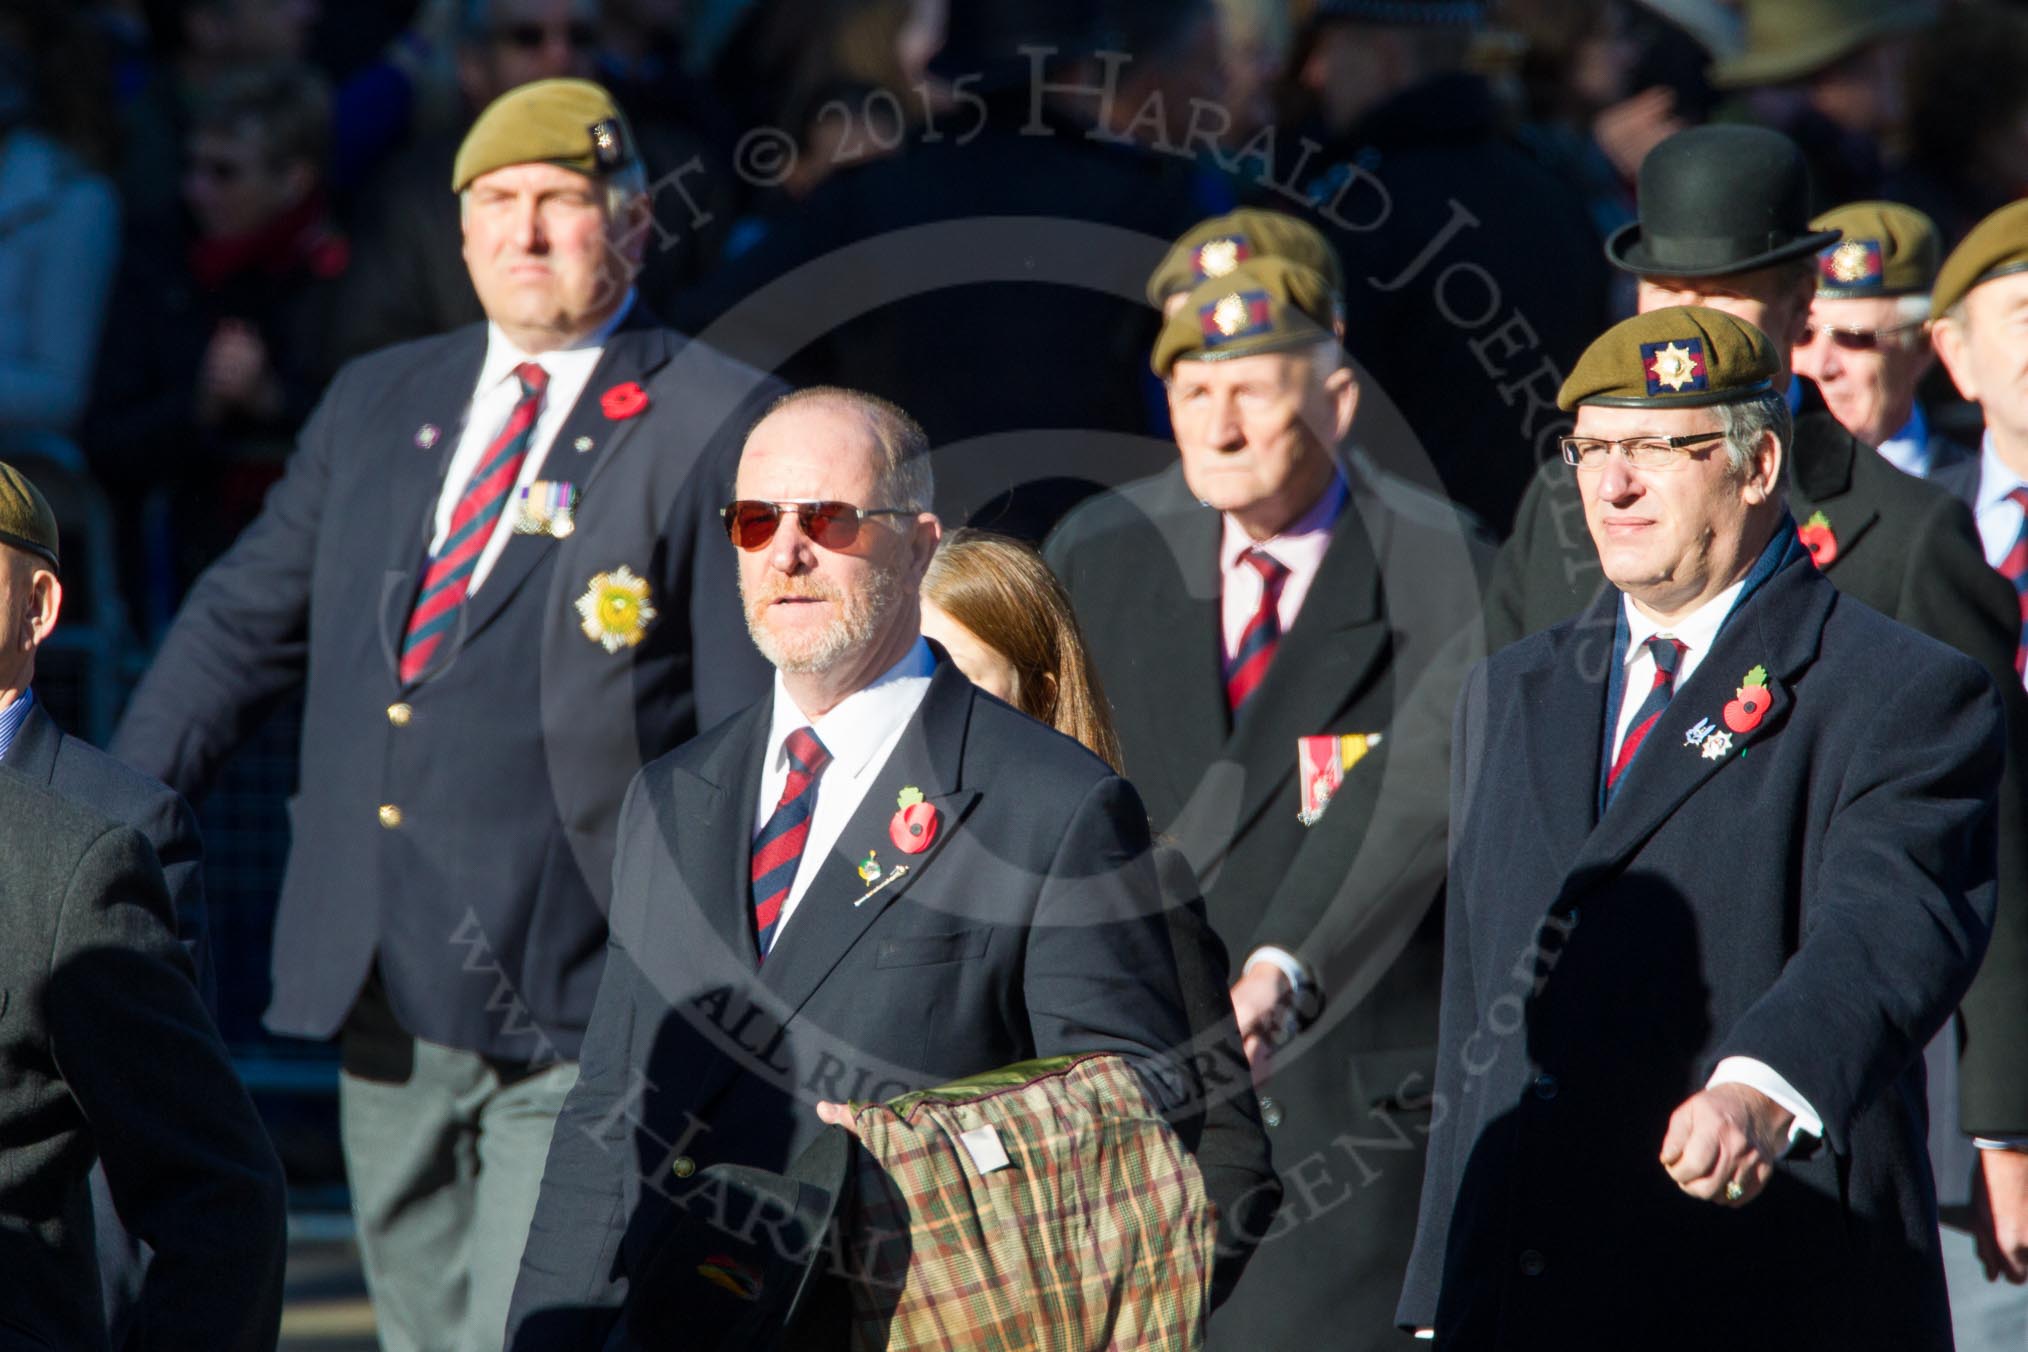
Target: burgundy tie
x,y
1257,641
449,575
778,849
1666,652
2014,568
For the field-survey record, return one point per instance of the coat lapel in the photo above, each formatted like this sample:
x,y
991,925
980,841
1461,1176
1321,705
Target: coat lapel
x,y
830,916
36,742
1778,628
1183,651
1563,727
710,807
1820,480
634,352
415,473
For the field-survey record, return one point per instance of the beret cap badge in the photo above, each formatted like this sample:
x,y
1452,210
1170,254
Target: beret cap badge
x,y
1220,256
1676,365
1854,260
608,144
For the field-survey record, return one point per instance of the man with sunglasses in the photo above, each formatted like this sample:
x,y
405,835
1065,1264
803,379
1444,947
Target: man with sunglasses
x,y
1866,344
1722,863
876,879
495,572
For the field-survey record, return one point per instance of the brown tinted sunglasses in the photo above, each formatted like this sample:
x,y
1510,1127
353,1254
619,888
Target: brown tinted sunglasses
x,y
751,523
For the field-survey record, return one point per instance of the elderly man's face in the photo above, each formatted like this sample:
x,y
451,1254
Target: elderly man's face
x,y
1257,433
812,609
547,262
1988,353
1867,359
1670,538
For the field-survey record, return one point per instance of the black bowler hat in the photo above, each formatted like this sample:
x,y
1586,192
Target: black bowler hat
x,y
743,1256
1719,200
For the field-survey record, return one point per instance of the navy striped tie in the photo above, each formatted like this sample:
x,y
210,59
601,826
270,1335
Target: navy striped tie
x,y
1257,641
1666,652
778,849
2014,567
449,575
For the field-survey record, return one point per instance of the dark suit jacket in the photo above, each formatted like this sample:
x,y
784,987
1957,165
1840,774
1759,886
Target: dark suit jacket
x,y
517,747
1817,898
106,1051
76,769
1381,645
1910,551
1961,477
1031,926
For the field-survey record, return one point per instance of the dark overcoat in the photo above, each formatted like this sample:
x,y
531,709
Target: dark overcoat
x,y
1814,893
505,764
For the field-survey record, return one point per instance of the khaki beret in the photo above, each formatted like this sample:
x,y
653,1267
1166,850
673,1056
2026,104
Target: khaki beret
x,y
1888,250
26,522
1215,247
1997,246
1685,356
1263,305
571,123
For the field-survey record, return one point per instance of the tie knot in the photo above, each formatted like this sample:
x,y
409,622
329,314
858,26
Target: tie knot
x,y
806,753
532,377
1666,652
1271,569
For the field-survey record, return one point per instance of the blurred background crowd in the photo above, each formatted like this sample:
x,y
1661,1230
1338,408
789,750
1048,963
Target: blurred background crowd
x,y
207,206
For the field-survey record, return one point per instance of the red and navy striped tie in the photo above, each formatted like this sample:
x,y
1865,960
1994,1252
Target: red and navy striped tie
x,y
1666,652
449,575
2015,569
1257,641
778,849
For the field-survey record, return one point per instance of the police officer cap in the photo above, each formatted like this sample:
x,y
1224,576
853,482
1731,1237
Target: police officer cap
x,y
1997,246
1888,250
571,123
26,522
1215,247
1686,356
1263,305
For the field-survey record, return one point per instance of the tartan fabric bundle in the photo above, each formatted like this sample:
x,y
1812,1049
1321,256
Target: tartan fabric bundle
x,y
1095,1234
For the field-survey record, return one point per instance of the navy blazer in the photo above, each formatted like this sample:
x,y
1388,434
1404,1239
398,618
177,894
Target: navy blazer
x,y
460,828
1817,897
1031,926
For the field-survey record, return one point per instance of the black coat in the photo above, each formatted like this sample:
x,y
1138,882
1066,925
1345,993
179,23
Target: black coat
x,y
1908,549
1380,645
106,1052
1031,926
1817,898
509,761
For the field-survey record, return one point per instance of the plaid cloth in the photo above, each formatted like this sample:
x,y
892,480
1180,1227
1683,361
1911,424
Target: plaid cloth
x,y
1096,1234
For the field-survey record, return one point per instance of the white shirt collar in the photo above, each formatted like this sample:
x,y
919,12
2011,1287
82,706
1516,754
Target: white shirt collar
x,y
1309,532
503,354
1697,631
861,723
1996,479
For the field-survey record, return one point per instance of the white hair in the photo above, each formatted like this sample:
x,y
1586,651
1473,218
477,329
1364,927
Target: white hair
x,y
1744,424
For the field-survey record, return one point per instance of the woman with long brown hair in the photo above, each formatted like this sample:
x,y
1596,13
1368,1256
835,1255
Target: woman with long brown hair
x,y
1006,621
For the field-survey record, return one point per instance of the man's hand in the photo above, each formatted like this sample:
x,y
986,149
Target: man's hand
x,y
2000,1214
1264,1006
1728,1135
837,1115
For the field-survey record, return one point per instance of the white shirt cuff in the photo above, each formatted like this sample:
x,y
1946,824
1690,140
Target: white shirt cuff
x,y
1760,1075
1286,962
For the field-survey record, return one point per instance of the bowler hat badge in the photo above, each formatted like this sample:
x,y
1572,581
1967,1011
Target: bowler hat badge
x,y
1677,366
615,611
426,435
545,507
1851,262
732,1276
1239,315
1817,538
914,824
609,147
1216,257
1321,766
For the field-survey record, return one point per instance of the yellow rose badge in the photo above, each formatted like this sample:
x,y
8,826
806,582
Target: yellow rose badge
x,y
615,609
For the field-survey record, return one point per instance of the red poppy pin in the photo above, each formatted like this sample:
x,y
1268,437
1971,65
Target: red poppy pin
x,y
623,400
1817,538
1744,713
914,824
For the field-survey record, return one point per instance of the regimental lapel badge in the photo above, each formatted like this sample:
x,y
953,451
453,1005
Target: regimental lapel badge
x,y
581,445
615,610
546,507
893,875
426,435
1817,538
869,868
1716,745
914,824
1321,766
